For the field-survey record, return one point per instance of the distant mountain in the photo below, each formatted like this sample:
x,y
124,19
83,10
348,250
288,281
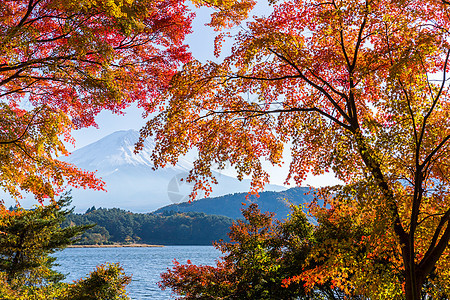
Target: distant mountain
x,y
231,205
130,181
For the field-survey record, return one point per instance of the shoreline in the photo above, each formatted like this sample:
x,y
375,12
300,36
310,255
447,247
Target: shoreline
x,y
115,246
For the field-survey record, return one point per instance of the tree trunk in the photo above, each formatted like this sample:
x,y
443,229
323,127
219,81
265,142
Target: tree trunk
x,y
413,291
413,282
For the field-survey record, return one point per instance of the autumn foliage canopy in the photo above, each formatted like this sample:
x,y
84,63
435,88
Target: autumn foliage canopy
x,y
356,87
62,62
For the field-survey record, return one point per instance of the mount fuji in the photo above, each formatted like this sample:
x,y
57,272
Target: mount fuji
x,y
132,184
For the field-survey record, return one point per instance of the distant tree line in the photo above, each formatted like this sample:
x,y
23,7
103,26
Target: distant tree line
x,y
168,228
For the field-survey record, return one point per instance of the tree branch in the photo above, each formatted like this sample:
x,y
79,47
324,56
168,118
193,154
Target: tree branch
x,y
435,250
266,112
319,88
30,8
14,141
435,150
436,99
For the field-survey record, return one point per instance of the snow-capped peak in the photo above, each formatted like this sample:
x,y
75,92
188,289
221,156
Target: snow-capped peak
x,y
112,151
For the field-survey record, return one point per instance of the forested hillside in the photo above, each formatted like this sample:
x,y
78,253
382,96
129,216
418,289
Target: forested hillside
x,y
170,228
197,223
231,205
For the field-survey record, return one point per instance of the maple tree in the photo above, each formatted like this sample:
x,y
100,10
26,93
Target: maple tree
x,y
261,256
62,62
356,87
354,250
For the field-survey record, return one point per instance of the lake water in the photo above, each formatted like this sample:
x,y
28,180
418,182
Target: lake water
x,y
144,264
